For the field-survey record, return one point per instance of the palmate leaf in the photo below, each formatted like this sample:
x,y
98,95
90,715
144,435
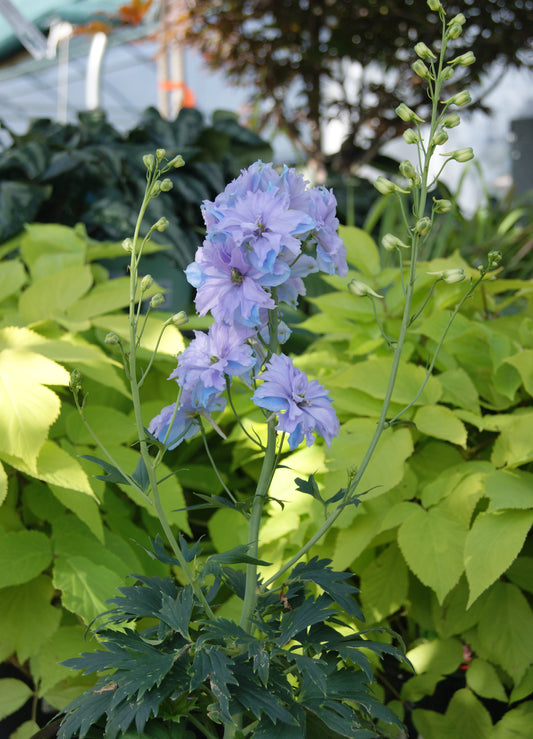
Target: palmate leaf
x,y
332,582
211,662
112,473
300,618
176,612
142,601
252,696
237,555
84,711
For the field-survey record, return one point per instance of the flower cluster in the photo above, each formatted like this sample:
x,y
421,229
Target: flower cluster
x,y
264,234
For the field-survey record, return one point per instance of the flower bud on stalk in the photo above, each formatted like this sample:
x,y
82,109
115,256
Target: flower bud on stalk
x,y
407,115
410,137
450,276
459,18
362,290
461,98
423,226
160,153
421,70
460,155
423,51
149,161
451,121
494,259
177,162
127,245
434,5
465,60
441,137
162,224
111,339
442,206
166,185
454,31
391,242
146,282
75,381
179,319
386,187
446,74
407,170
157,300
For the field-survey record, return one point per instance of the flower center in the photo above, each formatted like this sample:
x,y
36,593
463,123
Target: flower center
x,y
236,276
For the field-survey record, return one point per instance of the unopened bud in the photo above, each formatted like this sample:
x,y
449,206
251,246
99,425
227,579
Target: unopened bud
x,y
461,98
494,259
386,187
407,115
441,206
434,5
160,153
421,70
149,161
162,224
422,226
450,276
75,380
460,155
407,170
451,121
146,282
459,18
423,51
156,188
177,162
157,300
111,339
127,245
179,319
391,242
465,60
410,137
362,290
166,185
453,31
441,137
446,74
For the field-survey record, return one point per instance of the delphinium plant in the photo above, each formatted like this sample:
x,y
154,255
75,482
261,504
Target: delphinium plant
x,y
292,665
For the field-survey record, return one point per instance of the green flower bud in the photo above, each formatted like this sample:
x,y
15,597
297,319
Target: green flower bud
x,y
451,121
127,245
441,137
166,185
441,206
446,74
75,381
407,170
149,161
459,18
450,276
146,282
384,186
410,136
453,31
494,259
179,319
423,51
156,189
460,155
407,115
362,290
461,98
391,242
421,70
162,224
157,300
177,162
160,153
434,5
465,60
422,226
111,339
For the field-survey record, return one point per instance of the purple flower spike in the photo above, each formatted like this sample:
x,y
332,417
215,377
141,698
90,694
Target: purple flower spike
x,y
303,407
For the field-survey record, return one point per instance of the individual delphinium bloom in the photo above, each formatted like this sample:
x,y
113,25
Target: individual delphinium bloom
x,y
294,286
210,358
229,286
303,407
330,249
174,426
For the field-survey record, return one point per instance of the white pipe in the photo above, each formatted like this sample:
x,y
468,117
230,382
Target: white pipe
x,y
94,65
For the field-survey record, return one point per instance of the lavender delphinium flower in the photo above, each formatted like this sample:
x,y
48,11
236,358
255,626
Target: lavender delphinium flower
x,y
302,406
186,423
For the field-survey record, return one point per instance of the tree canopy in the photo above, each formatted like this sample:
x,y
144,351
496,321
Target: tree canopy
x,y
311,61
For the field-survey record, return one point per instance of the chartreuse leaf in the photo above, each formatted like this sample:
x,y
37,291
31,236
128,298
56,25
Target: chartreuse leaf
x,y
13,695
440,422
505,630
12,277
465,718
524,688
19,628
384,584
171,343
432,543
492,544
523,362
516,723
514,445
85,586
23,556
48,297
509,489
40,241
361,250
27,408
482,678
26,730
439,656
459,390
47,664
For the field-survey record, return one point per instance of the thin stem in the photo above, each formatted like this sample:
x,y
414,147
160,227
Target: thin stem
x,y
237,417
199,725
213,465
